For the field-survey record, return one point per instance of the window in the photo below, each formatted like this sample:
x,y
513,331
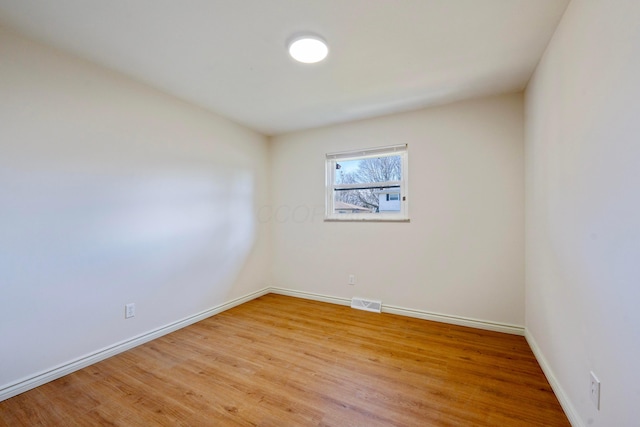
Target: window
x,y
367,185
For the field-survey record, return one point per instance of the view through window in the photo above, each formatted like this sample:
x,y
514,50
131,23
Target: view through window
x,y
367,184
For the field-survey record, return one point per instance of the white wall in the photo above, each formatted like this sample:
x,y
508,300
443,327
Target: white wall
x,y
583,209
110,193
461,254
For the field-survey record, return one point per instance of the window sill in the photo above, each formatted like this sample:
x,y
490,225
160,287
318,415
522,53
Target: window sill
x,y
367,220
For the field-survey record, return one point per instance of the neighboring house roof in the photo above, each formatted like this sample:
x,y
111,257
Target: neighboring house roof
x,y
342,206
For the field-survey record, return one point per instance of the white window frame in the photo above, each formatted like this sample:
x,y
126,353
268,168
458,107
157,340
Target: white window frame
x,y
333,158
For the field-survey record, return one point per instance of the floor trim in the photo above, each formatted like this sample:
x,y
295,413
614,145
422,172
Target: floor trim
x,y
455,320
564,400
420,314
310,295
44,377
82,362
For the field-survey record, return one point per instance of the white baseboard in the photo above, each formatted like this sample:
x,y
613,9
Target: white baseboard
x,y
455,320
420,314
41,378
567,407
310,295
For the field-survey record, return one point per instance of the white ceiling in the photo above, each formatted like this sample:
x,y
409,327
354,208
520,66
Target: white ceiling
x,y
229,56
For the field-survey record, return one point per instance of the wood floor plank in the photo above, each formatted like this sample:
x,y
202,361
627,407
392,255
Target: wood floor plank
x,y
283,361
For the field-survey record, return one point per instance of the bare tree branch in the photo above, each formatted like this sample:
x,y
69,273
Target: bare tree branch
x,y
371,170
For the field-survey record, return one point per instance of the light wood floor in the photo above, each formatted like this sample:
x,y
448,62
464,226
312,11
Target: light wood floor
x,y
282,361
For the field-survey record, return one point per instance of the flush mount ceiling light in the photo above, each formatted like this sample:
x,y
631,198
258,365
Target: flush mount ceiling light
x,y
307,48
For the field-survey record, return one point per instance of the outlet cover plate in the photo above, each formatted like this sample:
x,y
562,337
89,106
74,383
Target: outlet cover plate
x,y
129,310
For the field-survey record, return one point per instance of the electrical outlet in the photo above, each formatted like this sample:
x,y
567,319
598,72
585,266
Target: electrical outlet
x,y
594,389
352,279
129,310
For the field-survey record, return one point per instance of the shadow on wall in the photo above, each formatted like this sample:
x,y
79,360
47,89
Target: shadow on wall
x,y
75,246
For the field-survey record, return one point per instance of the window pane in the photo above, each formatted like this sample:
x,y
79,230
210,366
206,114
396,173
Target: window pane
x,y
370,200
367,185
374,169
355,201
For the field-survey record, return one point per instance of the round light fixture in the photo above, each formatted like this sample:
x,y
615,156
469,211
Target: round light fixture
x,y
308,48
